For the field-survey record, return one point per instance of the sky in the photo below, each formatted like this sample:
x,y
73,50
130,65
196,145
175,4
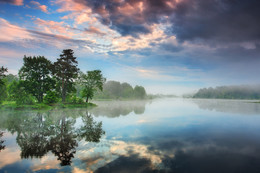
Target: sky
x,y
167,46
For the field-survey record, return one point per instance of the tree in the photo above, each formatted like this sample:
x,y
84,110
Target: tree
x,y
18,93
127,90
139,92
91,81
65,70
2,74
113,88
36,74
3,93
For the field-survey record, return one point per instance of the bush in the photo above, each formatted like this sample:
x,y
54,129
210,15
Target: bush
x,y
75,99
25,99
51,97
3,93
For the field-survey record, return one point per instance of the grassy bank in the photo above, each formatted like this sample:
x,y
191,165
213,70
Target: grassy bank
x,y
11,105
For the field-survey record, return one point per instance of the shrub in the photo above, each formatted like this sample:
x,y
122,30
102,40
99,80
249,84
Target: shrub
x,y
51,97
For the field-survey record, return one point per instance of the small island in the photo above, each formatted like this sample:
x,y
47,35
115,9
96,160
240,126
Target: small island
x,y
42,84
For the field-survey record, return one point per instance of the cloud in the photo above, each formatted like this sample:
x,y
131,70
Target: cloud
x,y
226,21
53,35
128,17
37,5
11,32
190,20
13,2
53,27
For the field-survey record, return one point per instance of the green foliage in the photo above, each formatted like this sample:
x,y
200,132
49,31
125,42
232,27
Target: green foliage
x,y
92,81
18,93
3,93
65,71
51,97
76,100
36,74
116,90
127,90
229,92
139,92
2,74
10,78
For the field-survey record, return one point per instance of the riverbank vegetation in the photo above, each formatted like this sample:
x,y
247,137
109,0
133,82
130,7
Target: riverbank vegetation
x,y
230,92
43,84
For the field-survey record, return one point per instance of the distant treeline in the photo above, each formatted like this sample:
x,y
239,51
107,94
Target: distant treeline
x,y
229,92
117,90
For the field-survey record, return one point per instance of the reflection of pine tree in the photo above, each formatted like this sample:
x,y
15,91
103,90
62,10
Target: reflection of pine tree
x,y
2,147
91,131
63,142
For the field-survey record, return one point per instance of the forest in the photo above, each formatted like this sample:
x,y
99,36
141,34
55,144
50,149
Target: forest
x,y
40,81
230,92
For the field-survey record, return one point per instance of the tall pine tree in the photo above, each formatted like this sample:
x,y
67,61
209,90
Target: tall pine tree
x,y
66,71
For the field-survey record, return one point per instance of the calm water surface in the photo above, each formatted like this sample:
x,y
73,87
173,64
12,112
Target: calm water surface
x,y
164,135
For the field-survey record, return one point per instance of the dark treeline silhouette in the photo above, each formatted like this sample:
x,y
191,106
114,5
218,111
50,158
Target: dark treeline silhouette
x,y
117,90
40,133
229,92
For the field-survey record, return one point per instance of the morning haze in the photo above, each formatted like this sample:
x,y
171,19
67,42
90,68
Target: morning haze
x,y
129,86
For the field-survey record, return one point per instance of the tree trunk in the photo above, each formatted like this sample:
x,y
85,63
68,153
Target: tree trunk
x,y
87,100
63,91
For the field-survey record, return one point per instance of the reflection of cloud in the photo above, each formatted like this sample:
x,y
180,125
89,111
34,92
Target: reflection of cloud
x,y
99,155
46,162
9,155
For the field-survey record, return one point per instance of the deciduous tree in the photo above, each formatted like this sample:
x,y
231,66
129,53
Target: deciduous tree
x,y
91,81
36,74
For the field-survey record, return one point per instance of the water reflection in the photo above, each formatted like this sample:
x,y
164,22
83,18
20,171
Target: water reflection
x,y
91,131
2,146
43,132
230,106
183,138
117,108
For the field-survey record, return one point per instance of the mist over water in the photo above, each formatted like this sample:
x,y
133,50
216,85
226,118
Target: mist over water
x,y
163,135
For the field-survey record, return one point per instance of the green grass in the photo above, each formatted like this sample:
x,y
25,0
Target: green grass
x,y
11,105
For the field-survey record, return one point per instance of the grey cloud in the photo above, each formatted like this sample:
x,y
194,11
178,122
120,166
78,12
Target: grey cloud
x,y
219,20
13,2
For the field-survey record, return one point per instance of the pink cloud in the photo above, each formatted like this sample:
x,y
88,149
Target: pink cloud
x,y
70,5
18,2
53,27
11,32
94,30
37,5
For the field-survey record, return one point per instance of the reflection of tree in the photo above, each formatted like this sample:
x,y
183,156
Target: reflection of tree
x,y
33,137
37,134
117,108
2,147
230,106
91,131
63,141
